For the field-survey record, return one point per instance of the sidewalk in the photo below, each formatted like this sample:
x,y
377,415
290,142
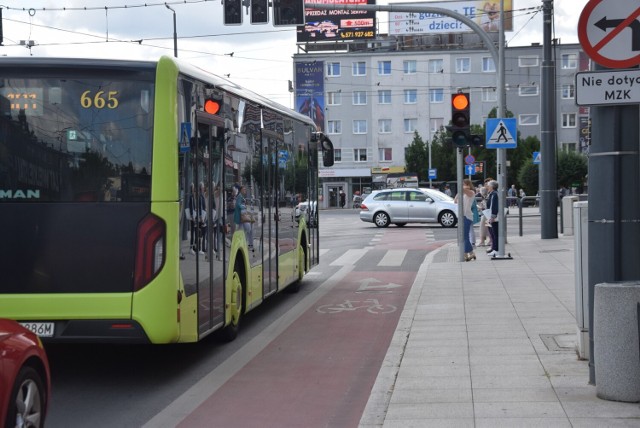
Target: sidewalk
x,y
491,343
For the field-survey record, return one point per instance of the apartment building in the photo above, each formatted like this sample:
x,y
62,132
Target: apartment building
x,y
375,95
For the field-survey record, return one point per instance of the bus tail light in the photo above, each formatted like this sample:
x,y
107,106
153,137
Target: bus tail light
x,y
150,250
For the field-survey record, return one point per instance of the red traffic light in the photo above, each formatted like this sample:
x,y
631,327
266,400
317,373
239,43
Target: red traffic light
x,y
460,101
211,106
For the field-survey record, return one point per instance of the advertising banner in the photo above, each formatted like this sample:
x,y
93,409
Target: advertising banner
x,y
485,13
310,91
332,25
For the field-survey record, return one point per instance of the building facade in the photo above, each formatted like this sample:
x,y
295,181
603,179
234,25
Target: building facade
x,y
375,95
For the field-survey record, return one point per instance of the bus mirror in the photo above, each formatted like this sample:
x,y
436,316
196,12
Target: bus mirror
x,y
327,151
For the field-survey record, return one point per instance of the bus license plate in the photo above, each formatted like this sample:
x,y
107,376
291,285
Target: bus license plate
x,y
42,329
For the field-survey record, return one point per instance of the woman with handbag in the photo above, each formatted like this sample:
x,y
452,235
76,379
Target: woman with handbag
x,y
242,217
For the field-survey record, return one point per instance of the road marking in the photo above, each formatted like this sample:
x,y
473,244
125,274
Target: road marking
x,y
191,399
350,257
393,258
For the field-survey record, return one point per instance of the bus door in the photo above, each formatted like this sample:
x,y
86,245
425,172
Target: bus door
x,y
270,211
203,256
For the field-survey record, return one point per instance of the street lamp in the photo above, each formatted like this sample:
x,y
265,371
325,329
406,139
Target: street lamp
x,y
175,34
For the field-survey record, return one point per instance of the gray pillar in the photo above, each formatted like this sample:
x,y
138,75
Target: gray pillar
x,y
614,204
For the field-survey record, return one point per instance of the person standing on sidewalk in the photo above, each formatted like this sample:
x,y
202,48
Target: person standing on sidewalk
x,y
493,205
468,197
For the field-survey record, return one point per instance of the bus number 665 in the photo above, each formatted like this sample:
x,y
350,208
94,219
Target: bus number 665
x,y
101,99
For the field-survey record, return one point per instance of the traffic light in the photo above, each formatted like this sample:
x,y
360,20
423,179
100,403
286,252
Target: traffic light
x,y
460,119
232,12
288,12
259,11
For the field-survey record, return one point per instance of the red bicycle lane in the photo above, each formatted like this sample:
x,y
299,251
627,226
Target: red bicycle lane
x,y
320,371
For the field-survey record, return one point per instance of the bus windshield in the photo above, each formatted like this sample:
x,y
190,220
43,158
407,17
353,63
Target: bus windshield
x,y
75,138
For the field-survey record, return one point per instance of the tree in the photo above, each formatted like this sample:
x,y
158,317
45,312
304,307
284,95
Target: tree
x,y
443,156
416,157
528,177
571,169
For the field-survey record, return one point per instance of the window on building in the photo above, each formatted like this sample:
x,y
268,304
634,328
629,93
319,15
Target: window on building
x,y
337,155
359,98
360,155
333,69
488,66
360,126
384,155
334,98
334,127
569,61
463,65
384,126
435,124
410,125
569,147
568,91
410,66
568,120
528,90
410,96
384,67
436,95
528,119
384,96
359,68
528,61
489,95
435,66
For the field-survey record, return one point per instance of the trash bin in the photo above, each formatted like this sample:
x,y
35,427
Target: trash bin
x,y
615,336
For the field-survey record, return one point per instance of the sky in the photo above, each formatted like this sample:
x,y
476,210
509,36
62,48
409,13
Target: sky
x,y
258,57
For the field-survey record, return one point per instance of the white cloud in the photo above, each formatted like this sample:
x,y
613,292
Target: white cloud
x,y
262,54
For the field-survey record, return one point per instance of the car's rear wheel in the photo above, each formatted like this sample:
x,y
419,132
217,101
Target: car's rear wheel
x,y
27,403
381,219
447,219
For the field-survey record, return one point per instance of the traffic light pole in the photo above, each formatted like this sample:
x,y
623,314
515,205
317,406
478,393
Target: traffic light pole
x,y
498,59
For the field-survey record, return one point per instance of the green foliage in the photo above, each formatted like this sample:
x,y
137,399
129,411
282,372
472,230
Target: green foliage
x,y
571,168
417,157
528,177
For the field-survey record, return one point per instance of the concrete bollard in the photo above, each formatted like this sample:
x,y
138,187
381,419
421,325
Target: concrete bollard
x,y
616,349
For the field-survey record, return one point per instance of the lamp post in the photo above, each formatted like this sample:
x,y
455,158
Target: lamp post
x,y
175,33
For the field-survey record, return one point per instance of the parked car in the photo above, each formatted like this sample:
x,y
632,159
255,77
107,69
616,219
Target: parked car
x,y
401,206
25,380
310,213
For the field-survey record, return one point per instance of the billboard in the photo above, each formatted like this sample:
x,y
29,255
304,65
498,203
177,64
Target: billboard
x,y
310,91
332,25
485,13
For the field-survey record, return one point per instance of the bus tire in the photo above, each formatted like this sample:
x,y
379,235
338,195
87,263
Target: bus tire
x,y
230,331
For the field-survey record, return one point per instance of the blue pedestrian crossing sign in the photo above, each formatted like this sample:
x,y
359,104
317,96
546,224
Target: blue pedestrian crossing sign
x,y
501,133
470,169
536,158
185,137
433,173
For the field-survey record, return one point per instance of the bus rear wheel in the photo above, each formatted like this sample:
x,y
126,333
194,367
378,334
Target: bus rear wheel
x,y
230,332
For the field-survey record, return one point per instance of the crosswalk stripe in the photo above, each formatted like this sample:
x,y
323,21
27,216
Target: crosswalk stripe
x,y
350,257
393,258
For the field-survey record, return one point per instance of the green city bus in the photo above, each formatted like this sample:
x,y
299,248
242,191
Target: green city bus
x,y
119,184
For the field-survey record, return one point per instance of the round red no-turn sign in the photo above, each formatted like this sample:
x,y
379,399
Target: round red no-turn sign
x,y
609,32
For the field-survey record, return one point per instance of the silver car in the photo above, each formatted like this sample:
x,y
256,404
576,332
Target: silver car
x,y
402,206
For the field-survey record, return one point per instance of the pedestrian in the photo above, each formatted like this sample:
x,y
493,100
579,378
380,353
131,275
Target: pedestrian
x,y
512,194
468,198
343,199
447,190
493,206
242,217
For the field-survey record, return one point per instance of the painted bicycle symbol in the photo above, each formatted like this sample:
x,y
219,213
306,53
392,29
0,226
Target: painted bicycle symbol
x,y
372,306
